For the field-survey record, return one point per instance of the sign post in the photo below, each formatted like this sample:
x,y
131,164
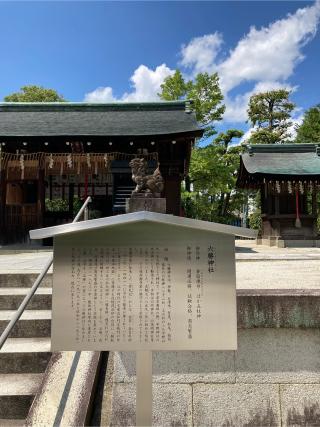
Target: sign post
x,y
141,282
144,388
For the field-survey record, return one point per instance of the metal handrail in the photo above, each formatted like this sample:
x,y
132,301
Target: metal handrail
x,y
18,313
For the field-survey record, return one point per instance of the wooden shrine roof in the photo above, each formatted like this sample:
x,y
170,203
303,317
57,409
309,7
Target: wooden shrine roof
x,y
279,161
85,119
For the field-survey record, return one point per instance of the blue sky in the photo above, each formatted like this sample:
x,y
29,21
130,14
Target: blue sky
x,y
105,51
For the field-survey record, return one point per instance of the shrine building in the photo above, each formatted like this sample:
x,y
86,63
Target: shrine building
x,y
54,155
288,177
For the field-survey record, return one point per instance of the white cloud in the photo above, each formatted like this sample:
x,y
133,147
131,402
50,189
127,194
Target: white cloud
x,y
101,94
272,52
146,83
267,54
201,53
264,57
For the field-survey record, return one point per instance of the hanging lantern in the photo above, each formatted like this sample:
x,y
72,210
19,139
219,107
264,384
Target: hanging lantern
x,y
278,187
289,187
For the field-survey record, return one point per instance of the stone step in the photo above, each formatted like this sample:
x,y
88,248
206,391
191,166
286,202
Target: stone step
x,y
25,355
8,280
17,392
33,323
12,423
11,298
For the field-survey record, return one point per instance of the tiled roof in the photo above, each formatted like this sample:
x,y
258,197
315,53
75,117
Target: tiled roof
x,y
83,119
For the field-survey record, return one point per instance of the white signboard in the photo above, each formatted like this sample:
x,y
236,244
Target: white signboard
x,y
144,287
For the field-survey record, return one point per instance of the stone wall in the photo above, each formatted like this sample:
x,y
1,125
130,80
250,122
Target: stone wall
x,y
273,379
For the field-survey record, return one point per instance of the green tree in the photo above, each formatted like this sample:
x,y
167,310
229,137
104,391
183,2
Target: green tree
x,y
224,139
205,93
309,131
209,191
213,173
270,112
174,87
33,93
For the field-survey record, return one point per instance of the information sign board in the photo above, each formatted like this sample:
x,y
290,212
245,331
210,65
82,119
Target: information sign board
x,y
144,286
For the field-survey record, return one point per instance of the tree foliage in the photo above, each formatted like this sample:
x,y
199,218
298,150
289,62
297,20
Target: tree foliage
x,y
174,87
205,93
309,131
33,93
209,192
213,174
270,112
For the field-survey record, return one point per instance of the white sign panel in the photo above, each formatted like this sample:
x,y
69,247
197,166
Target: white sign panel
x,y
144,287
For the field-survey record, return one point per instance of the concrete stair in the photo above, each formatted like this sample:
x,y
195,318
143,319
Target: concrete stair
x,y
121,193
26,353
10,298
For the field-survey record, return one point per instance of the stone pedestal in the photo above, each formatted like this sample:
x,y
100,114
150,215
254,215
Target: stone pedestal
x,y
145,203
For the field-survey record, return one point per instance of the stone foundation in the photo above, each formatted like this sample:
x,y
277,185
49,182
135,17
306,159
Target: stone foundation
x,y
151,204
288,243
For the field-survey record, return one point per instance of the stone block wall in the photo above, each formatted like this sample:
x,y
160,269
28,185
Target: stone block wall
x,y
273,379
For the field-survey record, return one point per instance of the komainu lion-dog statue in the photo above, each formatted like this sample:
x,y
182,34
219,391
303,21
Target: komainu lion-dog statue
x,y
146,184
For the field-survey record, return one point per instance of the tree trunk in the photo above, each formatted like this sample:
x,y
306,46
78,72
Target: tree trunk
x,y
221,203
188,183
225,204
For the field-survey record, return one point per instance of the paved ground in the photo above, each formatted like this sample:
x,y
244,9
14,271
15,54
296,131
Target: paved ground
x,y
257,266
25,262
248,250
262,267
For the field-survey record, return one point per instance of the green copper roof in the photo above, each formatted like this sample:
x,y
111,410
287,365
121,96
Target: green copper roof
x,y
84,119
279,160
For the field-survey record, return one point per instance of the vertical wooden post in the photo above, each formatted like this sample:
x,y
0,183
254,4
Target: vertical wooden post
x,y
71,197
277,205
314,203
3,186
314,211
41,197
144,388
172,193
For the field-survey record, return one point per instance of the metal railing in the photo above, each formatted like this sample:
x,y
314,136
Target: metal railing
x,y
18,313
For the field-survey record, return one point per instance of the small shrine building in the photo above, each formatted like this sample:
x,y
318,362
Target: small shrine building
x,y
52,155
288,177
